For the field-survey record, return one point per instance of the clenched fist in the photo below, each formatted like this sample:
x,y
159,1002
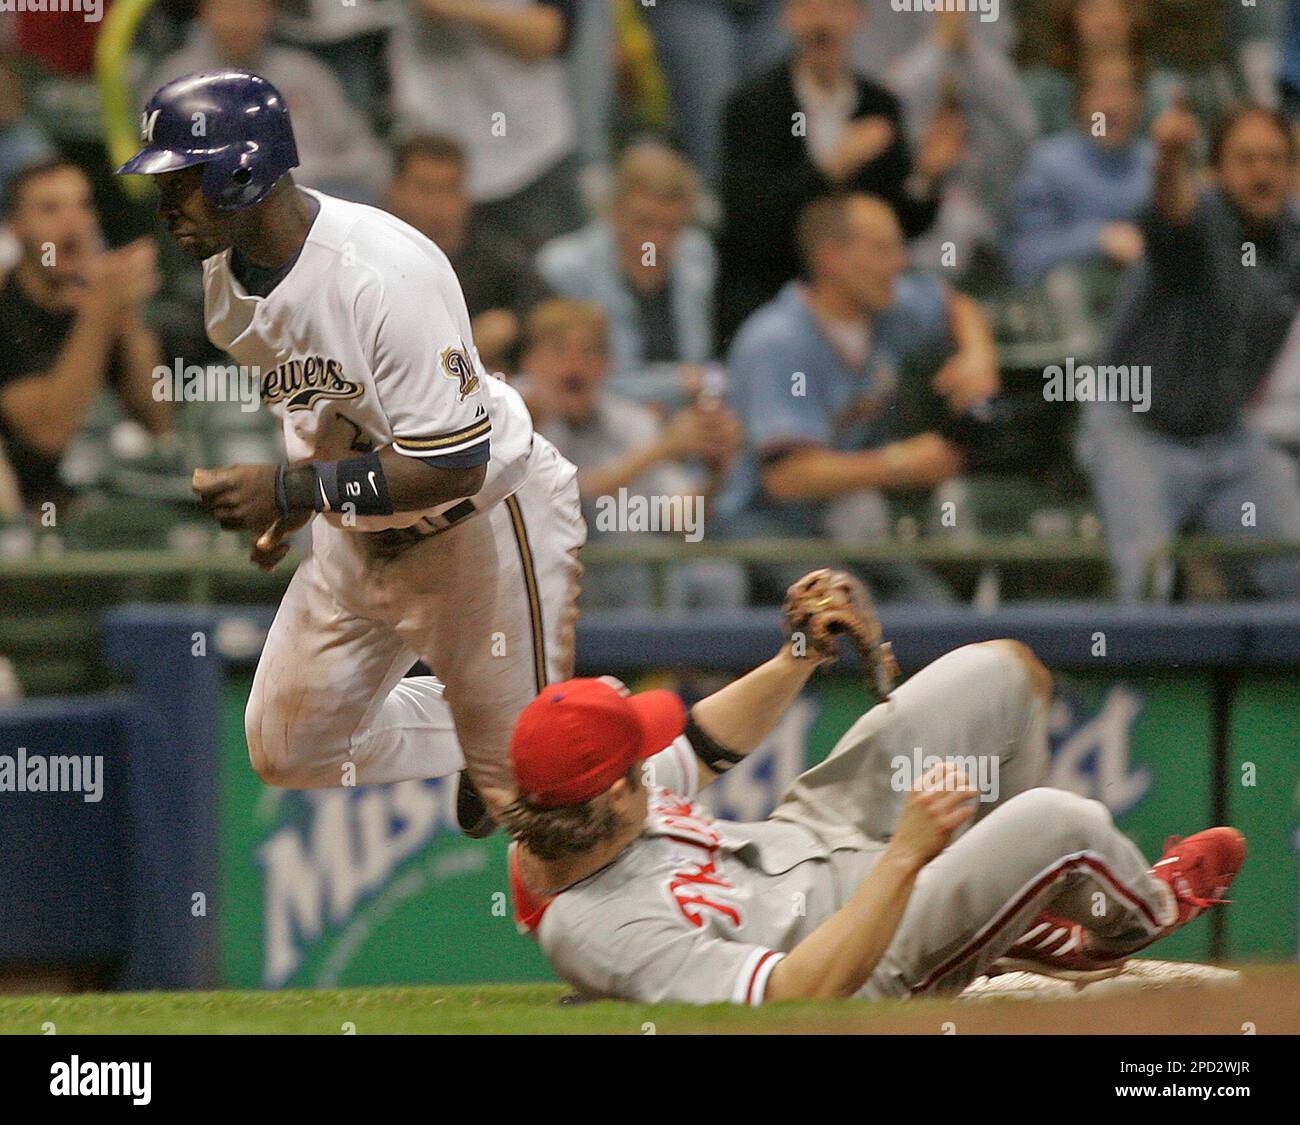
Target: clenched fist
x,y
239,497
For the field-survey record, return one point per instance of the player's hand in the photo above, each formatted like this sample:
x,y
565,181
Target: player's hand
x,y
272,545
922,461
825,605
941,803
239,497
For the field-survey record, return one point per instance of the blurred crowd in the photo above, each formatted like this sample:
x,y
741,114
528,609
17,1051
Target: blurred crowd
x,y
812,261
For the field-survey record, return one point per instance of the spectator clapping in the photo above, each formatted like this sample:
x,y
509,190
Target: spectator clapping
x,y
71,324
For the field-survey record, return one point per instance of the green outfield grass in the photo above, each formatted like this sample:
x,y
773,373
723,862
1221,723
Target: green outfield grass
x,y
1269,997
489,1009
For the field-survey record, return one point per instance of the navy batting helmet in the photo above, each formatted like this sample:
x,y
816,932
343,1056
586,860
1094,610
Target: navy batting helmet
x,y
235,124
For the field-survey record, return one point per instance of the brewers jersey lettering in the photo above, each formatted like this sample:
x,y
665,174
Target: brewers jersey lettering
x,y
366,343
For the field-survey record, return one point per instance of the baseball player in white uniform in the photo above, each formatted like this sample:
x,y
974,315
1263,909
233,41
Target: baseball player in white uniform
x,y
448,530
862,882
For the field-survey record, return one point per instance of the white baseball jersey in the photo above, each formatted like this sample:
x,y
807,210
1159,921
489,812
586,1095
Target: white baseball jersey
x,y
366,343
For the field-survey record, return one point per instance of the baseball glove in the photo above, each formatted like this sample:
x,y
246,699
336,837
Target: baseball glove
x,y
826,605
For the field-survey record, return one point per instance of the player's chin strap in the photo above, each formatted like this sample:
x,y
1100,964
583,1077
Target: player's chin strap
x,y
708,749
357,486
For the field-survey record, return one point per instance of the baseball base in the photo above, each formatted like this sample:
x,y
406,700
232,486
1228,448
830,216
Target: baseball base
x,y
1136,976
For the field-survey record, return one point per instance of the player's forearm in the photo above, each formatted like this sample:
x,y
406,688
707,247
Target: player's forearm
x,y
742,714
823,474
374,484
839,956
414,484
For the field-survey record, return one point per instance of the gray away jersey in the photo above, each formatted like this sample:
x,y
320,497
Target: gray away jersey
x,y
695,910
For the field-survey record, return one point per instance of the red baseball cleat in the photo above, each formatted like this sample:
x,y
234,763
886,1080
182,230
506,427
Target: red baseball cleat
x,y
1200,869
1057,947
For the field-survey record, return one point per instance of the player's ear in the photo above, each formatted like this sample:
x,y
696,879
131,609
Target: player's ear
x,y
626,786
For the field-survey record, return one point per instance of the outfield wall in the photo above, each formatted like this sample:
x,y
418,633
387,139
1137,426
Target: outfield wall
x,y
189,872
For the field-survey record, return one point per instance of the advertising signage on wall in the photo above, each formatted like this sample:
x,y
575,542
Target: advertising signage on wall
x,y
376,885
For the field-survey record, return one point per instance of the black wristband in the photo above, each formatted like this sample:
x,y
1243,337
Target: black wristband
x,y
357,485
708,749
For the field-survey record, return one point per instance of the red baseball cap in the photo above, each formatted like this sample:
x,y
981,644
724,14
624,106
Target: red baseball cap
x,y
578,737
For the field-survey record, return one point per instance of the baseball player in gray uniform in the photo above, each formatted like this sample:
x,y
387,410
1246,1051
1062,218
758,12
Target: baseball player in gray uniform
x,y
863,882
